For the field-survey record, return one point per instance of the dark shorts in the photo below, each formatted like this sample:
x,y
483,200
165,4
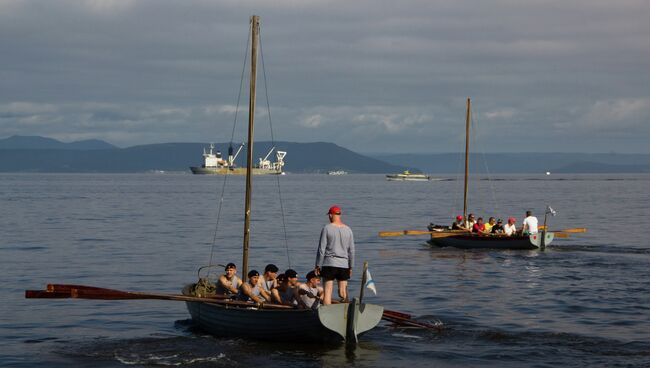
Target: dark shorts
x,y
335,273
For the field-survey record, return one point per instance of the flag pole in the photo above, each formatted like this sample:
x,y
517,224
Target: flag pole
x,y
363,281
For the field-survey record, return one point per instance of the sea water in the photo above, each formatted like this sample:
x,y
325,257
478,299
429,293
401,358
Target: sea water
x,y
585,301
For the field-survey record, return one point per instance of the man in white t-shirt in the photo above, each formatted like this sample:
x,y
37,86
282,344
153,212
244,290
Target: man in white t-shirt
x,y
530,224
511,227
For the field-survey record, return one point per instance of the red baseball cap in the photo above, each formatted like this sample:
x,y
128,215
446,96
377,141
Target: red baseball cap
x,y
459,217
334,210
512,219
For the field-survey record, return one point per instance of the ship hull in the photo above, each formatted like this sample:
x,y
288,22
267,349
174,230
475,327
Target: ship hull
x,y
236,171
404,178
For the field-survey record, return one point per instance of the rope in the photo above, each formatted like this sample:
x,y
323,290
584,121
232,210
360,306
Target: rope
x,y
232,136
459,172
268,109
487,172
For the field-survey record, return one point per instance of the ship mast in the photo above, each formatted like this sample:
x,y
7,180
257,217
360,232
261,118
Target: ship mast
x,y
466,159
255,27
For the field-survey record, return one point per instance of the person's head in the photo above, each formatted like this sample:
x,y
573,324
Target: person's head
x,y
512,220
271,271
499,222
470,217
459,218
312,279
529,213
253,277
231,270
492,221
281,279
479,220
291,276
334,213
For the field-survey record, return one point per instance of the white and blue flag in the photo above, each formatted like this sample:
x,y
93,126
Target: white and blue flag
x,y
370,284
550,210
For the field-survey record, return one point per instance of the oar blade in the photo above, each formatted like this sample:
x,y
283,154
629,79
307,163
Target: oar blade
x,y
384,234
574,230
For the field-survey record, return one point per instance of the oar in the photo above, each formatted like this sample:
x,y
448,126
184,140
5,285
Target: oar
x,y
396,319
91,292
572,230
441,234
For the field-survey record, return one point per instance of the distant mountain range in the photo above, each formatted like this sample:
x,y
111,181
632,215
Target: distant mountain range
x,y
40,154
36,142
513,163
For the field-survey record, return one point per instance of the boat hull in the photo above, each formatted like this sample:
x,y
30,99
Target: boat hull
x,y
401,178
300,325
236,171
491,242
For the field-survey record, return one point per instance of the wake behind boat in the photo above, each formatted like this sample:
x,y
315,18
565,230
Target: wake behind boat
x,y
407,176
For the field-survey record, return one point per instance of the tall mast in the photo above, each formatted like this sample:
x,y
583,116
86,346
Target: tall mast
x,y
255,28
466,158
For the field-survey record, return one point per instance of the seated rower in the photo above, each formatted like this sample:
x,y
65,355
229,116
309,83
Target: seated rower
x,y
469,224
250,291
269,284
498,228
488,226
510,228
479,226
459,224
310,293
229,283
288,288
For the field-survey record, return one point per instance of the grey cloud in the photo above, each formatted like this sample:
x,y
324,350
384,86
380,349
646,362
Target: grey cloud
x,y
364,74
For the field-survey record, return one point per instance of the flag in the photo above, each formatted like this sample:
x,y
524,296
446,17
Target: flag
x,y
370,284
550,210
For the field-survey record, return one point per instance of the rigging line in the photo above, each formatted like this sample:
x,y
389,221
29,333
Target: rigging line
x,y
457,192
489,179
232,136
268,109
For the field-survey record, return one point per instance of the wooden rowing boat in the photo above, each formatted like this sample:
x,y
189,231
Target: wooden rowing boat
x,y
466,240
335,322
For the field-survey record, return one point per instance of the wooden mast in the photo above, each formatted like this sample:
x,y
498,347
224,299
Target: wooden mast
x,y
255,27
466,159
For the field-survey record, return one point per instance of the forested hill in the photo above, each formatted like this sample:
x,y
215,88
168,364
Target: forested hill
x,y
38,154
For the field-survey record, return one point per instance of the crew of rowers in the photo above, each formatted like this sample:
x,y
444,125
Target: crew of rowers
x,y
529,225
270,287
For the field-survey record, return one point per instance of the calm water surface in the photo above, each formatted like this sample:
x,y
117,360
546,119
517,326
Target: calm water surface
x,y
585,301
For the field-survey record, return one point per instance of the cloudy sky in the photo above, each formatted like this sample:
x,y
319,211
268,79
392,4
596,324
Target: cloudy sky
x,y
372,76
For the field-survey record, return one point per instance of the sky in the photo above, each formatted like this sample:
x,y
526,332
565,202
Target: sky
x,y
372,76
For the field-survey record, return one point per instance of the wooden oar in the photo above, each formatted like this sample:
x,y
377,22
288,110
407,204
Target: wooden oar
x,y
396,313
91,292
399,320
571,230
441,234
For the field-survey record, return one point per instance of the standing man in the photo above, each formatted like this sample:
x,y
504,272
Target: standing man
x,y
335,255
530,224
